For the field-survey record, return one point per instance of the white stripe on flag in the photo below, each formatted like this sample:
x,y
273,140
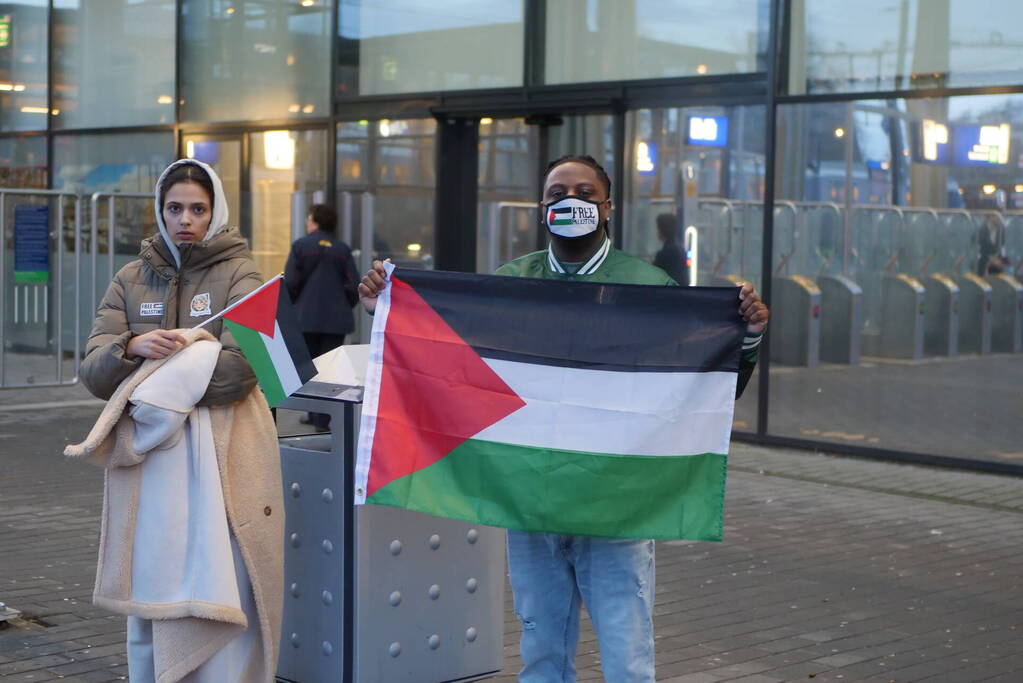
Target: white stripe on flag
x,y
282,360
371,397
628,413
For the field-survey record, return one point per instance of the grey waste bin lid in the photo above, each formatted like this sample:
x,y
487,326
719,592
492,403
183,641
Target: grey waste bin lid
x,y
308,442
330,392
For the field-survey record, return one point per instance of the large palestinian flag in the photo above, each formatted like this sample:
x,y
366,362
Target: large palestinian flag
x,y
577,408
263,323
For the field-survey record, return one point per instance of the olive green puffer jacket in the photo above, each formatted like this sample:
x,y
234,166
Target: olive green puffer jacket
x,y
151,293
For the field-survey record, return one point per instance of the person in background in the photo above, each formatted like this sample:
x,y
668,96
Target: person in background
x,y
670,258
321,279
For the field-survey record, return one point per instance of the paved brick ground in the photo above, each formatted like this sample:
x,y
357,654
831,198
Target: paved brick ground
x,y
832,569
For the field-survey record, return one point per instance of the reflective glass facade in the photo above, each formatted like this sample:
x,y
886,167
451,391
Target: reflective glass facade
x,y
610,40
113,63
254,59
861,164
403,46
24,62
904,44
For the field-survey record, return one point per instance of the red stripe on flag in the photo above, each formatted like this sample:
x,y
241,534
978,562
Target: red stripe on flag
x,y
435,391
258,312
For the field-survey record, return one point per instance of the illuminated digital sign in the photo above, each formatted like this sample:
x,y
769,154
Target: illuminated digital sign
x,y
707,131
5,30
934,142
981,145
646,158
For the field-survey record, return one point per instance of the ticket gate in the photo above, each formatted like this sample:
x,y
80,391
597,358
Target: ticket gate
x,y
902,317
975,305
841,319
941,303
795,321
1007,313
376,593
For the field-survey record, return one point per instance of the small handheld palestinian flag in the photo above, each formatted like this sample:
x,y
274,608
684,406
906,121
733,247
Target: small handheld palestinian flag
x,y
563,407
263,325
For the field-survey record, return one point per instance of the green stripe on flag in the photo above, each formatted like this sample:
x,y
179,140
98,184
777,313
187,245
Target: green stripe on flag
x,y
252,345
558,491
562,221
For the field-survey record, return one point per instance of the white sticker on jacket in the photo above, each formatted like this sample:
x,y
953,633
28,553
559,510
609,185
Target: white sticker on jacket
x,y
152,309
201,305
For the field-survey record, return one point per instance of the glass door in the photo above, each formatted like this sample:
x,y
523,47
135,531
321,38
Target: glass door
x,y
287,174
512,155
270,178
224,154
385,202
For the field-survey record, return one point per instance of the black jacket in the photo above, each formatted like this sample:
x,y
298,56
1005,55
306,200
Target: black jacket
x,y
672,261
322,281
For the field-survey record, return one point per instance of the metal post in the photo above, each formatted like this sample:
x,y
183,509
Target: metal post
x,y
111,237
3,281
366,232
94,238
346,218
78,285
58,281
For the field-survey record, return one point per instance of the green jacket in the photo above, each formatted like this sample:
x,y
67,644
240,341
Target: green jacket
x,y
612,265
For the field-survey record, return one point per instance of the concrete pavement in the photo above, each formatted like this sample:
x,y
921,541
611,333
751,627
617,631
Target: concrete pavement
x,y
832,569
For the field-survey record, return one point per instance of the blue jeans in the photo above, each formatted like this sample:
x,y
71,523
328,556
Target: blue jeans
x,y
551,575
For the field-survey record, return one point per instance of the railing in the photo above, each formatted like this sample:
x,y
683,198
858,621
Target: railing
x,y
110,199
56,283
494,236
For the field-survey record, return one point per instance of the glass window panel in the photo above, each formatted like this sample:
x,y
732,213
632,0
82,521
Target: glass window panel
x,y
896,320
399,46
609,40
224,155
696,182
114,63
386,185
23,65
121,162
288,174
508,180
903,44
111,163
23,162
246,60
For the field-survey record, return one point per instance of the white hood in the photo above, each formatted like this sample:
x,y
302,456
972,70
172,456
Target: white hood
x,y
217,223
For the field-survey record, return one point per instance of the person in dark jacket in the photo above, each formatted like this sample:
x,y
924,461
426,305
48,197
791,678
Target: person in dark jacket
x,y
670,258
321,280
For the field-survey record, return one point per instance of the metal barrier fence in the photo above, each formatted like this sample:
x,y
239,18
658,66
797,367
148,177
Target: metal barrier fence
x,y
821,238
34,310
45,313
53,269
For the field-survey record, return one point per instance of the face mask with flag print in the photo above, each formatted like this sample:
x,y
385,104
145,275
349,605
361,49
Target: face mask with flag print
x,y
572,217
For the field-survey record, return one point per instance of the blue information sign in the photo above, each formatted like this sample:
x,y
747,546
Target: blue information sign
x,y
31,243
708,131
986,145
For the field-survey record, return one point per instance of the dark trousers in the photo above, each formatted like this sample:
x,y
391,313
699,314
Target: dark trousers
x,y
319,344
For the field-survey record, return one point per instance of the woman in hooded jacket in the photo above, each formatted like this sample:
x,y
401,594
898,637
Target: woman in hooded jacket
x,y
194,565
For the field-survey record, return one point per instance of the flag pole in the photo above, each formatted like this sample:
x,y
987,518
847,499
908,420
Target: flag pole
x,y
245,298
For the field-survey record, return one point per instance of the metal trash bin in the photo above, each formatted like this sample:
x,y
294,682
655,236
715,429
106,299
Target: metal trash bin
x,y
377,594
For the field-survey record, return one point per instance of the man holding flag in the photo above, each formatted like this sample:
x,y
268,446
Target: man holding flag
x,y
553,573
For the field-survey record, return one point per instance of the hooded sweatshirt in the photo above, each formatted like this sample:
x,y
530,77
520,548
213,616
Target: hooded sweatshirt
x,y
175,286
